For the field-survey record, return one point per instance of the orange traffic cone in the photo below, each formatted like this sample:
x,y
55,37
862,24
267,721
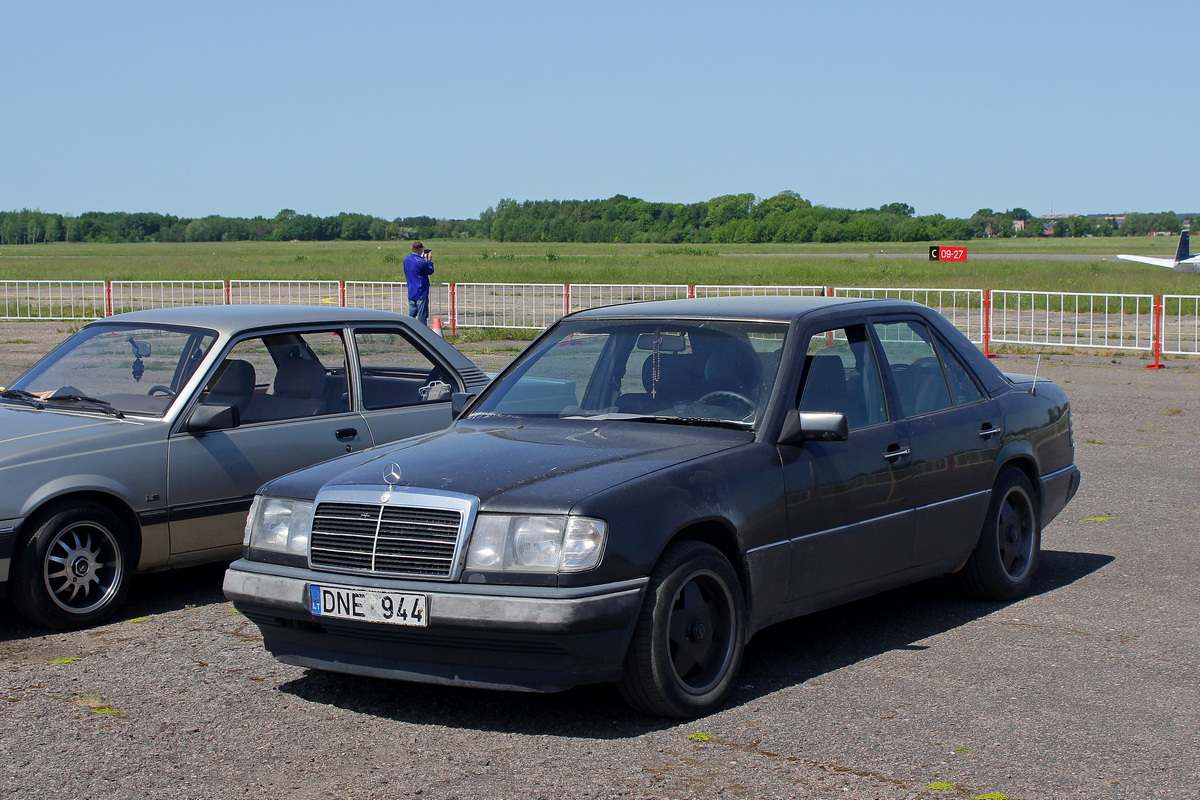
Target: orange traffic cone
x,y
436,325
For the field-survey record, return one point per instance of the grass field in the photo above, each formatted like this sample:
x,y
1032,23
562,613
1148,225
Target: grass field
x,y
475,260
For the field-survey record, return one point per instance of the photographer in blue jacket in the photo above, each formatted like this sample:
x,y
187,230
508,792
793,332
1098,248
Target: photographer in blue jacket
x,y
418,266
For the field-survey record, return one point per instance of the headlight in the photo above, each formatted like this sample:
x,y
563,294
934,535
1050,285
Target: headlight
x,y
279,525
535,543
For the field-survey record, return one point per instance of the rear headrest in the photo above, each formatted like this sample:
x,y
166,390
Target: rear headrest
x,y
300,378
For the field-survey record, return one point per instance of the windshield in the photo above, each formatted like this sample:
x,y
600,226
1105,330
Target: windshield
x,y
710,371
125,368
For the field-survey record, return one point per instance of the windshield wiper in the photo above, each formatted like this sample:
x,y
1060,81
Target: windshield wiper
x,y
23,396
97,403
666,418
721,423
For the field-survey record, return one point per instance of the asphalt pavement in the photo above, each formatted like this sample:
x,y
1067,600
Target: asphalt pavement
x,y
1086,689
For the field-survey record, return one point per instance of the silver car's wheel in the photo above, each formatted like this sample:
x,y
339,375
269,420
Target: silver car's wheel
x,y
73,570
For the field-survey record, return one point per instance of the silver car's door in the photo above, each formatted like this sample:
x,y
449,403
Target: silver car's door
x,y
290,391
404,390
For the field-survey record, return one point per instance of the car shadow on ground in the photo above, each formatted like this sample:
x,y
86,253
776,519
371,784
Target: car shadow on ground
x,y
155,593
783,655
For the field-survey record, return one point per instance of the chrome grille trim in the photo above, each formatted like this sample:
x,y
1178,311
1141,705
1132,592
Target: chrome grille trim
x,y
402,533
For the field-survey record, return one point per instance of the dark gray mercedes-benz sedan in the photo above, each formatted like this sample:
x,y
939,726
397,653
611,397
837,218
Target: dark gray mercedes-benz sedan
x,y
646,486
138,444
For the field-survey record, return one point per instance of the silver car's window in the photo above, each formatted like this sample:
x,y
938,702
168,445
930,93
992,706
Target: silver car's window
x,y
135,370
395,372
715,370
840,374
282,376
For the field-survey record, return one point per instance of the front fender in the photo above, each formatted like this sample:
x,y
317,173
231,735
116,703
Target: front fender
x,y
733,499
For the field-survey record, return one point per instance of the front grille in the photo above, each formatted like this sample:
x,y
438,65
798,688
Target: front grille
x,y
391,540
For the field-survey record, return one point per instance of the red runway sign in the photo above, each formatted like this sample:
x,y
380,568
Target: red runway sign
x,y
937,253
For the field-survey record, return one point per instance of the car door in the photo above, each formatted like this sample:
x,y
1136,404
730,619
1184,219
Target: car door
x,y
848,502
403,389
955,436
291,393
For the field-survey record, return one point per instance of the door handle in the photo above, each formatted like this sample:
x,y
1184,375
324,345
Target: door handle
x,y
896,453
345,434
988,430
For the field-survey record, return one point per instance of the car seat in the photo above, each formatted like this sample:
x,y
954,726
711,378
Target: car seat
x,y
233,386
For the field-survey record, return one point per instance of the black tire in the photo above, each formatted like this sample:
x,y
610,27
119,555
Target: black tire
x,y
687,646
1005,560
72,570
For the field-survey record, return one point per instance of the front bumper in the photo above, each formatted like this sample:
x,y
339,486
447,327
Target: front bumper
x,y
492,636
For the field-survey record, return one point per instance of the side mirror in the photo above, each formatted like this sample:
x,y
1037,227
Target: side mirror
x,y
814,426
213,417
459,402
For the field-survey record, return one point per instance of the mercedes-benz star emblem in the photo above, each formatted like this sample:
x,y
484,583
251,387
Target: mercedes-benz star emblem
x,y
391,474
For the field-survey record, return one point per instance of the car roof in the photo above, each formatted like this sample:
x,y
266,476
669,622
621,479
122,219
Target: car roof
x,y
769,309
231,319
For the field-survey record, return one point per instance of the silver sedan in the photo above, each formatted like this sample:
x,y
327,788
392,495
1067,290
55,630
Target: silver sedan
x,y
138,443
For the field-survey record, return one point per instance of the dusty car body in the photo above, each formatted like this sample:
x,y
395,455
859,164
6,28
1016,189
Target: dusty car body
x,y
139,442
646,486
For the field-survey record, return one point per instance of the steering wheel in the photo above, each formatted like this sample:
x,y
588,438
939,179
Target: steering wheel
x,y
722,394
167,390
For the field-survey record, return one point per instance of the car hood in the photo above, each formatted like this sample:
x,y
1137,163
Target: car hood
x,y
24,428
545,465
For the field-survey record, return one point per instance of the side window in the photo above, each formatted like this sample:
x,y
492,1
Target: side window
x,y
916,369
962,387
282,376
395,372
840,374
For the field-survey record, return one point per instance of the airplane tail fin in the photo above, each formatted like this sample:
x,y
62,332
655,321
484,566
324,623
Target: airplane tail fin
x,y
1184,252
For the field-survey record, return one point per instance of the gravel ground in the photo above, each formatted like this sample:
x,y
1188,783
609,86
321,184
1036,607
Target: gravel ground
x,y
1086,689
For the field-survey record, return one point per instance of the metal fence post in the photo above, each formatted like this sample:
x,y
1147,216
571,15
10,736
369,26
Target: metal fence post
x,y
987,323
1158,326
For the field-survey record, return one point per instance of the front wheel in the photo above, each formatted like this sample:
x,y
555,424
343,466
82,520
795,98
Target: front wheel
x,y
73,570
687,646
1005,560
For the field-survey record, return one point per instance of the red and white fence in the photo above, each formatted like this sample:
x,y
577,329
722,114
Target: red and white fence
x,y
54,300
965,308
1179,324
1159,324
137,295
581,296
1068,319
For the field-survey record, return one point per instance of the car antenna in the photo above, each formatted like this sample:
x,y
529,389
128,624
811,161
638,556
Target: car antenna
x,y
1036,367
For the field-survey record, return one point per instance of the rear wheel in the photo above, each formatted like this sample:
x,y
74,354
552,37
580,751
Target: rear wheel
x,y
73,570
1005,560
687,647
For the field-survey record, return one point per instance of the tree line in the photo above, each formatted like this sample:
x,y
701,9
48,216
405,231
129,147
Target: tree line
x,y
741,218
34,227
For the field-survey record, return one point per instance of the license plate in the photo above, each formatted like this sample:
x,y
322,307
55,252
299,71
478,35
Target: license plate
x,y
368,605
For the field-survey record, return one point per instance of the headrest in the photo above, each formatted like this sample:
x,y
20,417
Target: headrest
x,y
300,377
236,379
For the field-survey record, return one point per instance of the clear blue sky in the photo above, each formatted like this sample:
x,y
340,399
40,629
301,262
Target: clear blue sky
x,y
444,107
